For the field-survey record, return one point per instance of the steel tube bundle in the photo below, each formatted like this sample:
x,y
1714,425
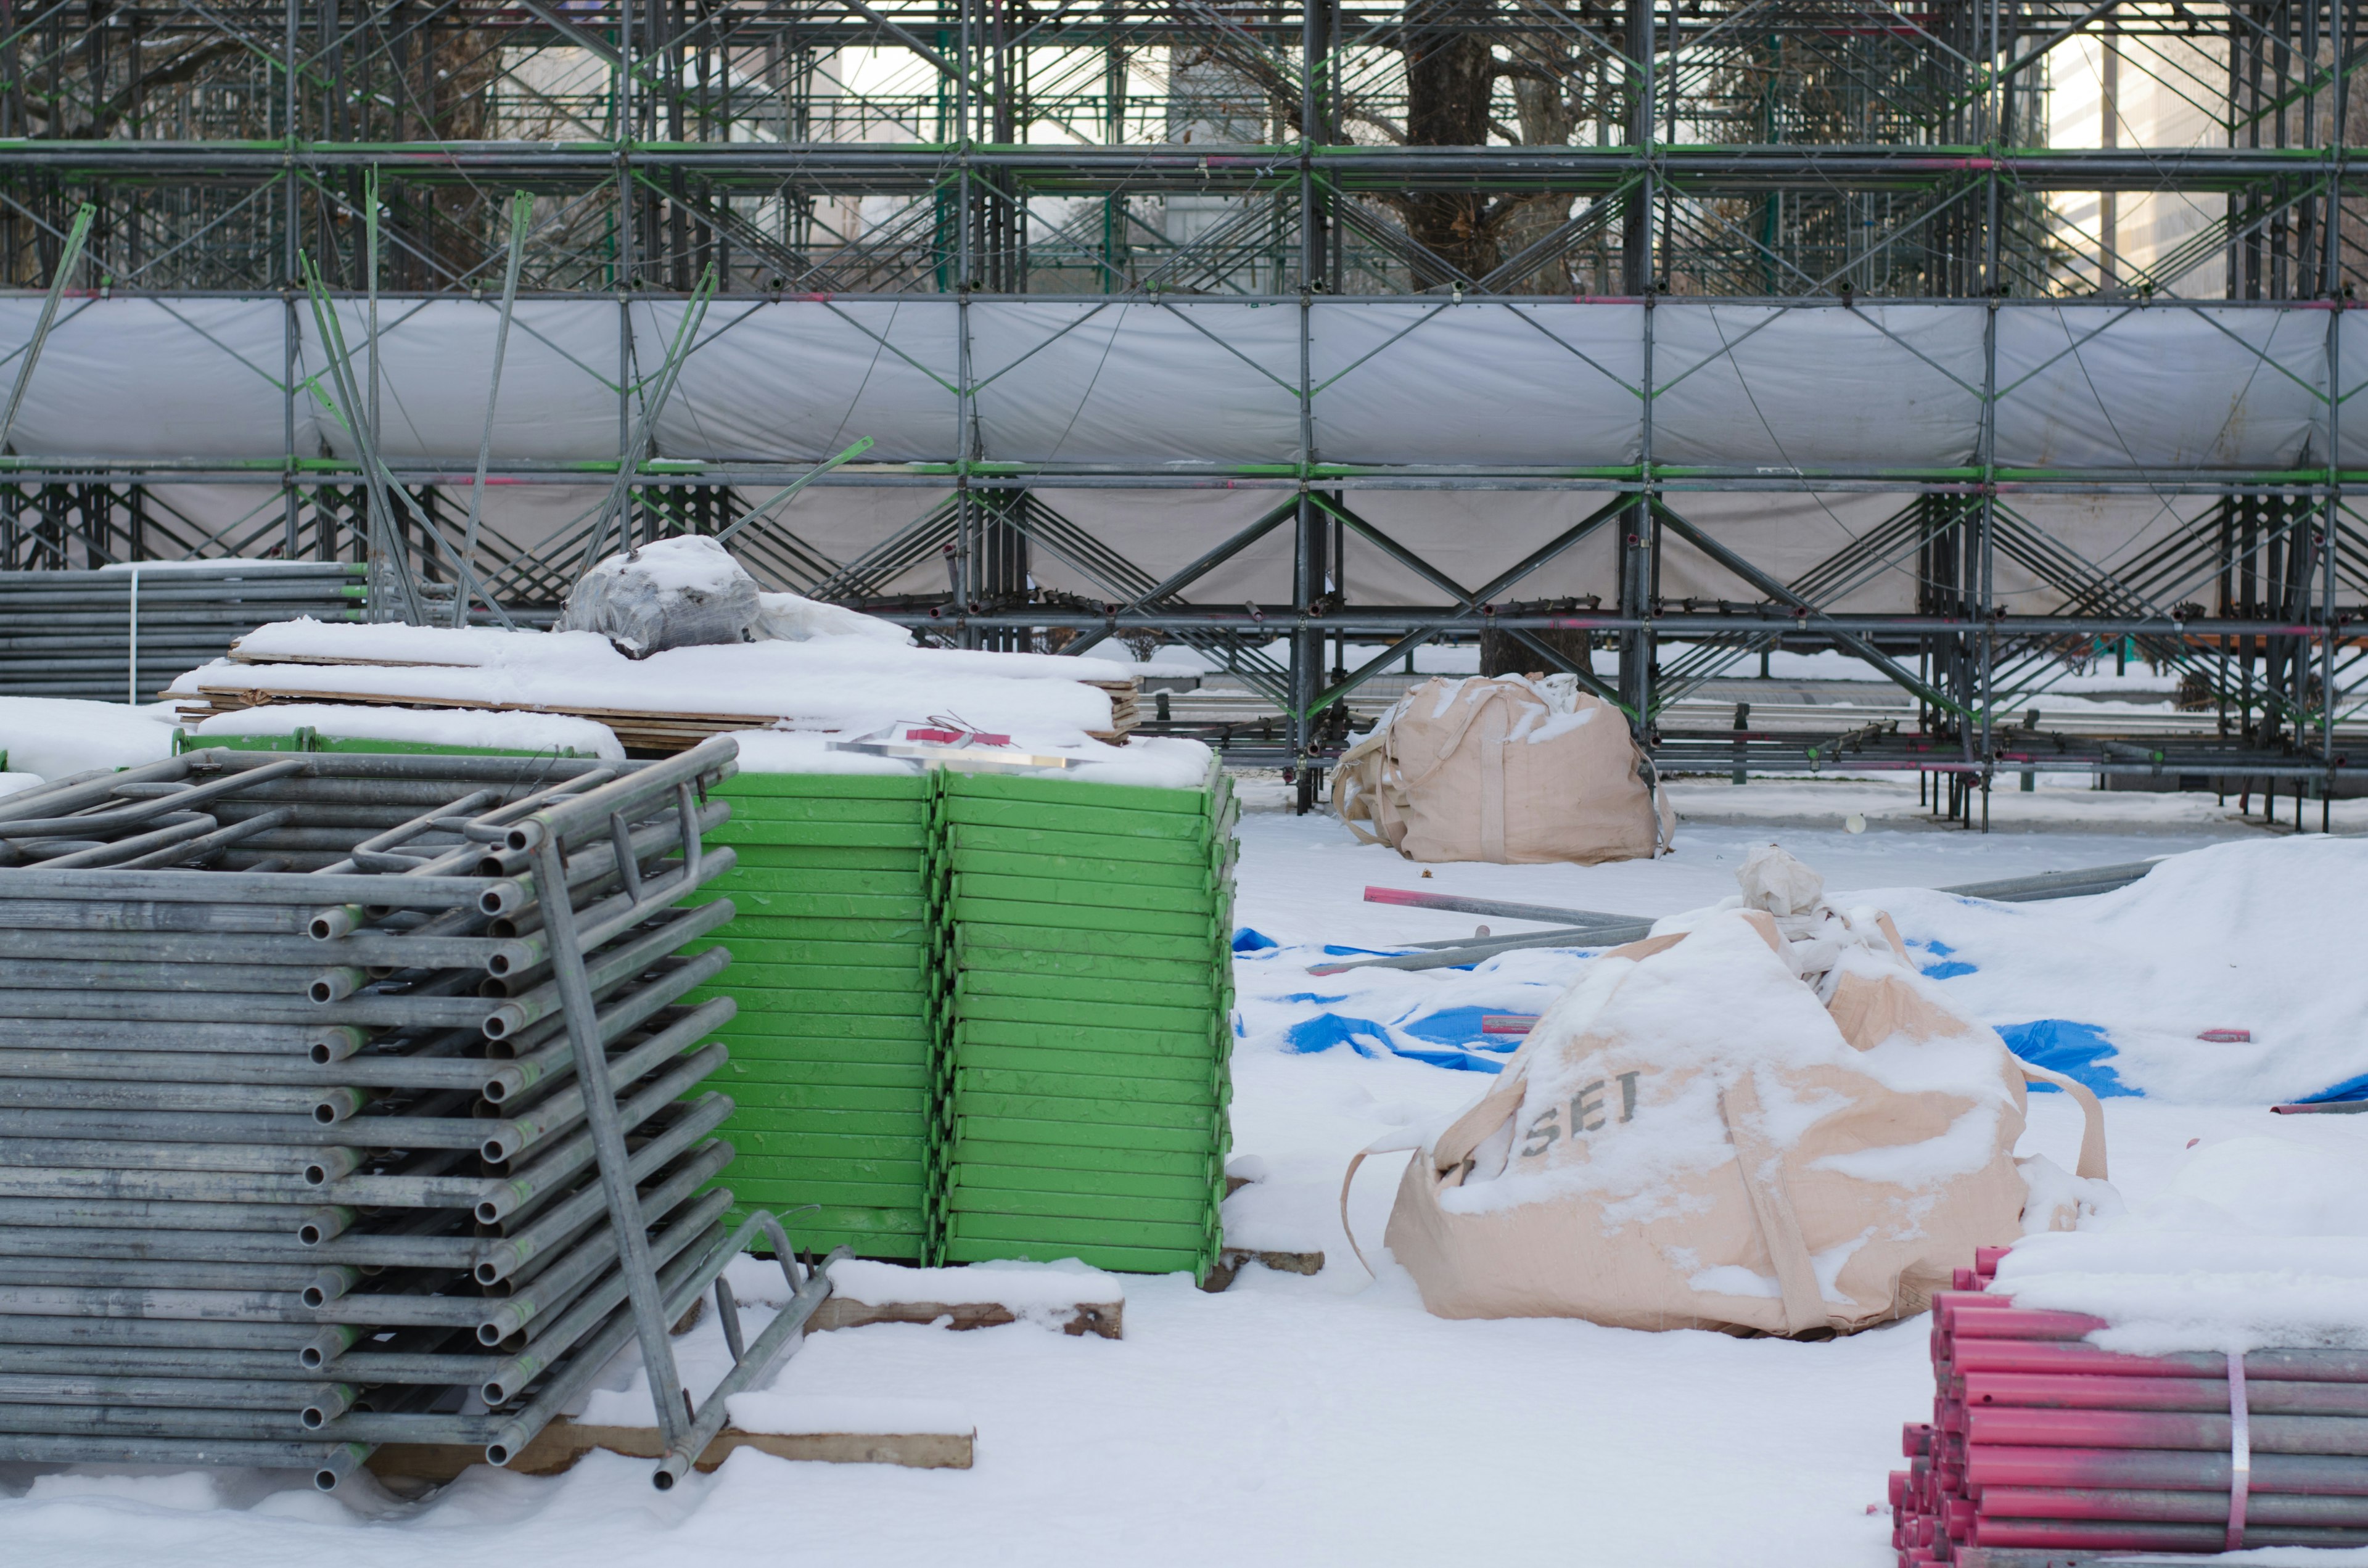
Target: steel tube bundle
x,y
296,1163
2039,1441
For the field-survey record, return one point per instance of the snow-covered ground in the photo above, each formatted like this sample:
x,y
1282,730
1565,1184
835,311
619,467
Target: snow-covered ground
x,y
1330,1419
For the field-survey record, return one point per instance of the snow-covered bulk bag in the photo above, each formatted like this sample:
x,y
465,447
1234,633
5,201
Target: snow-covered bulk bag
x,y
1765,1122
1507,769
684,592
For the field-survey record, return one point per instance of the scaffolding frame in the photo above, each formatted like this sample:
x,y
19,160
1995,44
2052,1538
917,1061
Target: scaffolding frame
x,y
1795,154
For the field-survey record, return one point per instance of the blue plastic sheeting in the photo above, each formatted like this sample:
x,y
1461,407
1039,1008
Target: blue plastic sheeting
x,y
2349,1089
1948,967
1248,942
1454,1031
2079,1052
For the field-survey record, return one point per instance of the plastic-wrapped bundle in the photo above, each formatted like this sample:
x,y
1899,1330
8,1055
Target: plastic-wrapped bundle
x,y
403,1148
670,593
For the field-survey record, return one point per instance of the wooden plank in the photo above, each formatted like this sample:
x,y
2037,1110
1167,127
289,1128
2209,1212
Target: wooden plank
x,y
1107,1319
564,1443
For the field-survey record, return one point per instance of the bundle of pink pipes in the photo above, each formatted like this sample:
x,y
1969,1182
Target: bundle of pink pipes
x,y
2041,1440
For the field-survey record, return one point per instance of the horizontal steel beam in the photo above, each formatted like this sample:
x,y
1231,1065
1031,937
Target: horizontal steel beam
x,y
1205,168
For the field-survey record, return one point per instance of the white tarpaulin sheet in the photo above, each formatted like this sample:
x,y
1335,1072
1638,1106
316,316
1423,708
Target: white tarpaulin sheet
x,y
1557,385
1772,387
1551,384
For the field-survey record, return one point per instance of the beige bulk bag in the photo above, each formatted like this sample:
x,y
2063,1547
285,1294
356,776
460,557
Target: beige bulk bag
x,y
1690,1139
1507,769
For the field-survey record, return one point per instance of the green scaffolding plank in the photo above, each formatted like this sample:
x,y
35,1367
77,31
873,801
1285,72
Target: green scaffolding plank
x,y
969,957
960,836
784,896
862,1227
801,1034
1086,1089
1068,793
770,1124
846,1149
1208,1043
1119,1260
815,810
967,1199
902,1175
1099,822
1095,895
1003,912
1210,948
1182,1236
905,834
788,999
882,984
751,1186
909,882
849,1072
1089,1015
990,1126
769,921
977,1104
1208,995
757,1099
915,789
1076,868
749,951
1203,1072
971,1151
805,857
1199,1190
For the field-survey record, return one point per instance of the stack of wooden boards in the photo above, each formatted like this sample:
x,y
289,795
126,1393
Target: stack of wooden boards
x,y
983,1016
214,691
1086,954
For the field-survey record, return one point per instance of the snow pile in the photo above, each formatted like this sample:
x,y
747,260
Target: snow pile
x,y
55,737
2261,935
554,733
793,618
2254,1242
1162,762
1024,1290
800,1414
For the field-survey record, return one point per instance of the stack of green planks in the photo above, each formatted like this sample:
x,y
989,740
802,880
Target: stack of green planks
x,y
834,1041
1084,950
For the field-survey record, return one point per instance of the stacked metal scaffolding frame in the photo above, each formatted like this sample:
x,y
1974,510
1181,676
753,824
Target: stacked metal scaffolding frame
x,y
1808,154
348,1100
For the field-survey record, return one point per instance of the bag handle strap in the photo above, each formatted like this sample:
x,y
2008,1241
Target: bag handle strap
x,y
2093,1115
1387,1143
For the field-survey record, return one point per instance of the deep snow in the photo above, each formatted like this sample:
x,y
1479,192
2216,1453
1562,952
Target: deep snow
x,y
1293,1420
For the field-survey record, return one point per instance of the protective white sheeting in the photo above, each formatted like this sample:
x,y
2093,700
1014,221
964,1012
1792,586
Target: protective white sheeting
x,y
1816,386
798,380
558,396
2351,417
2160,386
152,379
1146,384
1557,383
1182,383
